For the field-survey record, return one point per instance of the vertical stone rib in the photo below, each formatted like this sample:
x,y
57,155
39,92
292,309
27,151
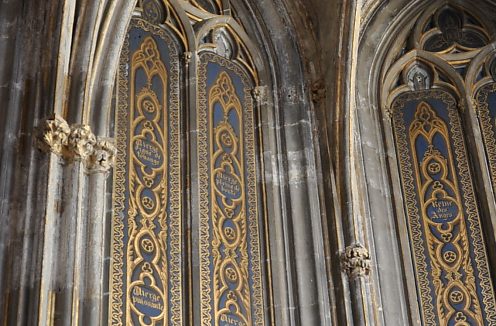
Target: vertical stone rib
x,y
356,230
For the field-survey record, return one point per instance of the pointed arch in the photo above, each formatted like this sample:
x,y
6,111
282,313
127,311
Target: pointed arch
x,y
387,55
110,39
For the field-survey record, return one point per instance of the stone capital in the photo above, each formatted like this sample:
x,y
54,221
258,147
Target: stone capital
x,y
187,56
318,91
81,141
259,94
356,261
77,143
55,135
102,157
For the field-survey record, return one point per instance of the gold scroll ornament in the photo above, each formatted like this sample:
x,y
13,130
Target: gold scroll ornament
x,y
227,171
444,221
148,190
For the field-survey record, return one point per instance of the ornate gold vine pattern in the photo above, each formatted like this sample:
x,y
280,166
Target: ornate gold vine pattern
x,y
146,226
451,266
230,258
147,258
229,243
444,223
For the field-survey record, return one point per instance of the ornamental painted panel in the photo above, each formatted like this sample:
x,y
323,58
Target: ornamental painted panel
x,y
146,270
230,240
452,272
486,104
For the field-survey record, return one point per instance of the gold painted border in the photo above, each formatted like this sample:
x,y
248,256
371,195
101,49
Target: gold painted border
x,y
204,199
116,304
479,250
413,214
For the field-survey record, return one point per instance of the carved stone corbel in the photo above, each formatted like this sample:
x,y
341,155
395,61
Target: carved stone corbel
x,y
355,261
388,113
259,94
102,157
77,143
319,91
82,141
55,137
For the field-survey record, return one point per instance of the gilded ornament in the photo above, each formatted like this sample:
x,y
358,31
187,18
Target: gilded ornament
x,y
230,266
210,6
453,280
147,268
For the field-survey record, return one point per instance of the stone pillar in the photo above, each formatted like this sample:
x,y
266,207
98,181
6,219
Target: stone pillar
x,y
76,231
356,260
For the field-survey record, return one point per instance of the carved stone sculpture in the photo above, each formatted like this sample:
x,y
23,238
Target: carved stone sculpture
x,y
356,261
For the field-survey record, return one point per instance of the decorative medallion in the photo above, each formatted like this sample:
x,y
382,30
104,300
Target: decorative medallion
x,y
146,271
230,236
452,269
154,11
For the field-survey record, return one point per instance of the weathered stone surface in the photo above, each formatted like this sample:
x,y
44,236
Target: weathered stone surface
x,y
324,162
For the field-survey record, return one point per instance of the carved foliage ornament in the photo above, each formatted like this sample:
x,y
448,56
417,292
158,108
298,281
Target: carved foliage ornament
x,y
77,143
260,94
147,257
356,261
55,136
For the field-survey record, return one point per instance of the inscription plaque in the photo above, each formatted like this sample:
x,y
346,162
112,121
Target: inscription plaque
x,y
148,152
228,184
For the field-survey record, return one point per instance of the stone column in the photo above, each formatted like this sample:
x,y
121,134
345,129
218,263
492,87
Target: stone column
x,y
355,256
76,227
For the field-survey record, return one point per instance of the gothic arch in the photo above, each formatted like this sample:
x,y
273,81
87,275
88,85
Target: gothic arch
x,y
74,68
380,58
279,215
